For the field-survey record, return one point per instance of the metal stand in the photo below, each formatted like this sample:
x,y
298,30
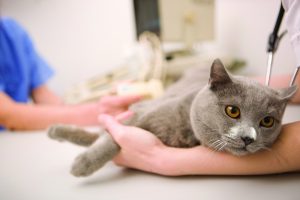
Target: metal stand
x,y
273,43
269,69
294,76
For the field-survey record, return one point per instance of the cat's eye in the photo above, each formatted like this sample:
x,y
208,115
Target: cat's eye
x,y
233,111
267,122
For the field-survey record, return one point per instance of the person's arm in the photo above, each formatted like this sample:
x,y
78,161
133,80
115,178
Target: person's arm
x,y
142,150
283,157
43,95
20,116
281,81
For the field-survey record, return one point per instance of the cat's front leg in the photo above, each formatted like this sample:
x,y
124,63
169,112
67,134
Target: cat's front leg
x,y
72,134
102,151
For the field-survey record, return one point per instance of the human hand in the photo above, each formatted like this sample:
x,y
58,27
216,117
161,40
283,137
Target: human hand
x,y
139,148
142,150
114,105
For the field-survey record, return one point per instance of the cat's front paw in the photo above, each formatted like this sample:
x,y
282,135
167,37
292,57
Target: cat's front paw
x,y
54,132
59,132
83,166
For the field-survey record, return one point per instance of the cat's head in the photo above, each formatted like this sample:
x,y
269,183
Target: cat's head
x,y
236,114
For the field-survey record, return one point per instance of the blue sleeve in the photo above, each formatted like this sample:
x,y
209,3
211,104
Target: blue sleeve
x,y
1,86
18,57
40,71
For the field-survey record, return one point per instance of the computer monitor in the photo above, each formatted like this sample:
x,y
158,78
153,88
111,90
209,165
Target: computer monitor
x,y
181,21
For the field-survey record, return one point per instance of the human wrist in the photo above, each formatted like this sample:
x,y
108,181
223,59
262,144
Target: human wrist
x,y
164,161
87,114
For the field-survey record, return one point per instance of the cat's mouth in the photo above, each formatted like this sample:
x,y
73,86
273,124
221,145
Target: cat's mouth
x,y
235,147
230,146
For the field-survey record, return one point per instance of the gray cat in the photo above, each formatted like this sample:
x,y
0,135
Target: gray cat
x,y
229,113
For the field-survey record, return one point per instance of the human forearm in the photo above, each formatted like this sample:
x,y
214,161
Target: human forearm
x,y
30,117
203,161
43,95
281,81
22,116
283,157
141,150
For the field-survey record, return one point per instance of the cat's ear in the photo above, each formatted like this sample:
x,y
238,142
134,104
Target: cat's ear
x,y
218,74
286,94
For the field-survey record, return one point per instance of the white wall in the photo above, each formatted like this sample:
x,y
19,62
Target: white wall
x,y
243,28
83,38
78,38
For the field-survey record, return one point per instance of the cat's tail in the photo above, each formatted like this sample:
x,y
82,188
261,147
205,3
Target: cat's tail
x,y
72,134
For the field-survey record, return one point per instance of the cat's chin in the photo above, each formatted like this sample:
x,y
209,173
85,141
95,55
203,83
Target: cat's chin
x,y
241,151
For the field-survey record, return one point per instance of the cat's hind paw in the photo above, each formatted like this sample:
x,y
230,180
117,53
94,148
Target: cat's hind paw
x,y
83,166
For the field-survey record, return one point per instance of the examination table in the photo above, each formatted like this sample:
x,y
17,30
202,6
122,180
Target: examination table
x,y
34,167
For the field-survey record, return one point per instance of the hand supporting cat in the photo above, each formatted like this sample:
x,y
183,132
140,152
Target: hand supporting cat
x,y
230,113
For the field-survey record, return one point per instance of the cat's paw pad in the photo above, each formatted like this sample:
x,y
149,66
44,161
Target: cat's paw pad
x,y
83,166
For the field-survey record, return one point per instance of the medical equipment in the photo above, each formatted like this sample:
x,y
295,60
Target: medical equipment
x,y
141,74
273,43
294,75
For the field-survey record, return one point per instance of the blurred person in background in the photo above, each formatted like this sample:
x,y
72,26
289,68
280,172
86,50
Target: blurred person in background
x,y
23,77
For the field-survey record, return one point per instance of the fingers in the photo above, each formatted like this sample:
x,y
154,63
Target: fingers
x,y
111,125
120,161
124,101
124,116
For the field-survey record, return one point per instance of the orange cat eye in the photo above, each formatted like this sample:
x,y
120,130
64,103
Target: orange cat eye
x,y
233,112
267,122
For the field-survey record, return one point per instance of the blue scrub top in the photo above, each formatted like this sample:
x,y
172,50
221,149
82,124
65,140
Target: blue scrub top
x,y
21,67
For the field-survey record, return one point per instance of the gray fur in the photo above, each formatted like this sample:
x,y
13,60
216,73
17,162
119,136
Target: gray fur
x,y
192,112
72,134
99,153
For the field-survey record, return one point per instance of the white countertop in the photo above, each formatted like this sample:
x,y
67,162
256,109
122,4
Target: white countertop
x,y
33,167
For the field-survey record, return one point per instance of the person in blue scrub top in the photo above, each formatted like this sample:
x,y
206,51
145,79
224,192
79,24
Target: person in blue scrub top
x,y
23,77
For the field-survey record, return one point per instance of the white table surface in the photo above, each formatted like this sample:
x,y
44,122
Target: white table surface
x,y
33,167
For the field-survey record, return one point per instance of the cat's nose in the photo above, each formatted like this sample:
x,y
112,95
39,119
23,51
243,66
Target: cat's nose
x,y
247,140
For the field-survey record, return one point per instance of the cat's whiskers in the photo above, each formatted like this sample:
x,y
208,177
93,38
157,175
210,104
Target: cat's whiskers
x,y
209,142
231,140
222,147
215,144
219,144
